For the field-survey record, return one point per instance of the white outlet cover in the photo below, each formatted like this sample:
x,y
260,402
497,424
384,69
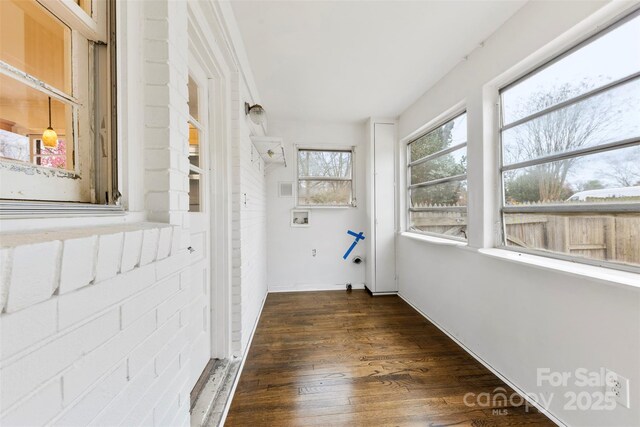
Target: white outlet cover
x,y
623,395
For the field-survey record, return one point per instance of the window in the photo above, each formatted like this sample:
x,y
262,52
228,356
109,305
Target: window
x,y
195,137
570,138
55,72
325,177
437,180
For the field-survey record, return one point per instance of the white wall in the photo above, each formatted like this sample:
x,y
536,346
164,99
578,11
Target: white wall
x,y
250,231
515,317
290,264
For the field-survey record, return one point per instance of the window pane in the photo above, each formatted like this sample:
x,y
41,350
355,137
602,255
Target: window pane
x,y
24,115
607,177
447,223
606,59
85,5
51,157
331,193
193,99
327,164
36,42
194,145
449,134
446,194
609,117
451,164
14,146
610,237
194,191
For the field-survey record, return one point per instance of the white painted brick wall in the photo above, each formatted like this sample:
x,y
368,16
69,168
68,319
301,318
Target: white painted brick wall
x,y
87,354
97,334
78,266
249,274
29,285
103,330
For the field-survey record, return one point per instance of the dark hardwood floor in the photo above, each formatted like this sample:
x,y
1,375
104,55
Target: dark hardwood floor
x,y
338,358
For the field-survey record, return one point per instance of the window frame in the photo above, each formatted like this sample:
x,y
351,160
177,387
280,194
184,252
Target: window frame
x,y
200,124
340,148
449,117
586,208
98,33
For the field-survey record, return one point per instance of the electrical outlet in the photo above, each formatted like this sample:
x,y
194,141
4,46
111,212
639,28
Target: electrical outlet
x,y
313,252
618,387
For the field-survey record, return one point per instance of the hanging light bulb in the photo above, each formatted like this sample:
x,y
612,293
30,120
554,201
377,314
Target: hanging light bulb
x,y
49,136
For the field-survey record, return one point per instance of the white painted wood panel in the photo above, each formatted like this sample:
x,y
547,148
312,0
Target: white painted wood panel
x,y
384,205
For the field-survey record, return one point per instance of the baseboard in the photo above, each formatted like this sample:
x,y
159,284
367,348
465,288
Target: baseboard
x,y
521,392
244,359
314,288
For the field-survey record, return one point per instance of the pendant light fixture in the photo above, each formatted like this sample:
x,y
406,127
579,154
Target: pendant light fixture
x,y
49,136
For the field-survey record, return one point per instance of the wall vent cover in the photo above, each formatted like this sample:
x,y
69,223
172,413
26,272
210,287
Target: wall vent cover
x,y
285,189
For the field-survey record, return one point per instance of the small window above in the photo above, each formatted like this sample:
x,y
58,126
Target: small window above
x,y
325,177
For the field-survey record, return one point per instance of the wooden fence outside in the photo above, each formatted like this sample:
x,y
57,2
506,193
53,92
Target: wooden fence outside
x,y
612,237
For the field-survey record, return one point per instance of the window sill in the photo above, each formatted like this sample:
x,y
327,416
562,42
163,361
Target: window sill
x,y
74,257
325,207
568,267
433,239
10,209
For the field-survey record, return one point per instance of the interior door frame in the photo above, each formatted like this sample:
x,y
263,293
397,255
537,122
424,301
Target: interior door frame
x,y
212,61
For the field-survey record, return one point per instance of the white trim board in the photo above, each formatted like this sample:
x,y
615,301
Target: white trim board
x,y
244,359
522,393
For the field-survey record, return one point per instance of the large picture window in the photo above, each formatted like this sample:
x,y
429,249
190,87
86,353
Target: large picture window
x,y
570,136
325,177
437,180
55,94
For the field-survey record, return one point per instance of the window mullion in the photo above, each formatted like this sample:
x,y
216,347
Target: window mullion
x,y
37,84
438,154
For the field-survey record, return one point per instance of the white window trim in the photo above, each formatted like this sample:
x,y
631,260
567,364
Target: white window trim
x,y
94,28
449,115
502,208
352,149
605,275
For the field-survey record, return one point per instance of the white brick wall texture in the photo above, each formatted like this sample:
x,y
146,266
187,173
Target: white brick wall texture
x,y
98,333
103,331
249,227
67,358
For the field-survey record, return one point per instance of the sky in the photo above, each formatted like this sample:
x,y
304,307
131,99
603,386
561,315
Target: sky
x,y
612,56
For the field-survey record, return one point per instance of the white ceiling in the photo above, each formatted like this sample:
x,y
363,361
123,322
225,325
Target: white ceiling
x,y
344,61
